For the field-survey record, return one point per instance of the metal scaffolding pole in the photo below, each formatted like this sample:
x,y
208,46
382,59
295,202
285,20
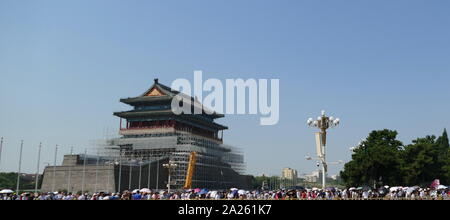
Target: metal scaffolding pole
x,y
1,149
69,174
140,174
157,175
96,173
120,170
84,172
54,169
109,174
20,167
130,176
149,172
37,168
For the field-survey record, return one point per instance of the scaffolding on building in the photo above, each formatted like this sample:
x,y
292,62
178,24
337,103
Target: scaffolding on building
x,y
218,166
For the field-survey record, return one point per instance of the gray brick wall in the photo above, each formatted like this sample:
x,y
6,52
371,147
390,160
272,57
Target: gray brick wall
x,y
107,179
99,178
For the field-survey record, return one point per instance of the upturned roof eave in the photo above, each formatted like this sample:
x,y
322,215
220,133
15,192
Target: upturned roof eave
x,y
138,114
169,94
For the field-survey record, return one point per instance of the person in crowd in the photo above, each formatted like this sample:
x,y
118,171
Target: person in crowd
x,y
386,193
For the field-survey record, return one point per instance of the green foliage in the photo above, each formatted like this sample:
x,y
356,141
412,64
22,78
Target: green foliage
x,y
443,142
9,181
375,160
444,148
422,163
381,160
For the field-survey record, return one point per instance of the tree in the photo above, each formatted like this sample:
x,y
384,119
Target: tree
x,y
381,158
444,148
376,160
443,142
422,162
9,181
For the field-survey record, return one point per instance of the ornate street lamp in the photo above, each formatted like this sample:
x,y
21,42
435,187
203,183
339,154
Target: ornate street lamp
x,y
170,167
323,123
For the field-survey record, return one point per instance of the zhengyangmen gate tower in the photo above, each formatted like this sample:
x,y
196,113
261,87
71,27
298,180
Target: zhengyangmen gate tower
x,y
151,135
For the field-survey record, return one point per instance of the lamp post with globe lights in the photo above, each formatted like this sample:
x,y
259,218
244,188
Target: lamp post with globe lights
x,y
323,123
170,167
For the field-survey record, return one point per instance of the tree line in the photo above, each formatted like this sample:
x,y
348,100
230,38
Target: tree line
x,y
9,181
381,159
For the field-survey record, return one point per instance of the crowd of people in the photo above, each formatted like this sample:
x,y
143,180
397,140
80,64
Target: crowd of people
x,y
361,193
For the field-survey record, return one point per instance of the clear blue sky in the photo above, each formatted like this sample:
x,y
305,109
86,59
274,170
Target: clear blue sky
x,y
376,64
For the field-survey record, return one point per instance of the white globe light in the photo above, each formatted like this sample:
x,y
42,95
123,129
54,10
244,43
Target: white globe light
x,y
337,121
319,118
331,118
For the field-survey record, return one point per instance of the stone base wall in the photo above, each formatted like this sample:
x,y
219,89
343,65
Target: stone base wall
x,y
104,178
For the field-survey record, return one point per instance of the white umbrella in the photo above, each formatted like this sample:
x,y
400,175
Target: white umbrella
x,y
392,189
233,189
241,192
135,191
6,191
213,194
146,190
351,189
442,187
412,189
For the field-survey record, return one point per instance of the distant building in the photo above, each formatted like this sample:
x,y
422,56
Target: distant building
x,y
336,177
314,177
289,174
